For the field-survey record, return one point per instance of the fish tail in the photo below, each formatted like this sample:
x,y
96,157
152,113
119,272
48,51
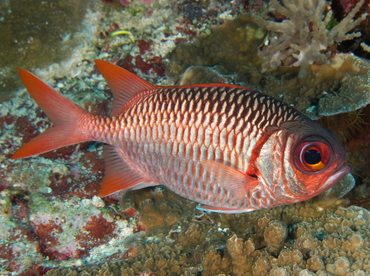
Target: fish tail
x,y
65,115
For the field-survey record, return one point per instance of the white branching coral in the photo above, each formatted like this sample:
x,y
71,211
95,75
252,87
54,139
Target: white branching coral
x,y
303,38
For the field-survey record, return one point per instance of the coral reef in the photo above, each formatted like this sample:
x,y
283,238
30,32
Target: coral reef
x,y
304,37
242,36
51,221
340,9
338,87
334,84
302,239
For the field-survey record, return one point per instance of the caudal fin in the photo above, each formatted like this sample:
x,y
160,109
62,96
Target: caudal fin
x,y
64,114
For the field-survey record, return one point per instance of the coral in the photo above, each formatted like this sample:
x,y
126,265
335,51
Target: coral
x,y
274,235
201,74
333,241
354,78
157,209
52,224
338,87
148,66
233,45
358,46
304,37
325,90
235,246
352,130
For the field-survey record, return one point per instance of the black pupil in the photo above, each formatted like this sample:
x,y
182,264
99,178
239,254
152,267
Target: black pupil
x,y
312,157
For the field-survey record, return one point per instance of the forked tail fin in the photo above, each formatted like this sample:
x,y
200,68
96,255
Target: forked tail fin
x,y
65,115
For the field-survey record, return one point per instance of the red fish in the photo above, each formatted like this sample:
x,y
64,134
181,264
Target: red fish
x,y
229,148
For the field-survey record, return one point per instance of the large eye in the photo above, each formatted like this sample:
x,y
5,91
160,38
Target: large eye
x,y
312,156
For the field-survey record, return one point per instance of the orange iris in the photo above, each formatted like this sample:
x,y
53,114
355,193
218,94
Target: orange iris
x,y
312,156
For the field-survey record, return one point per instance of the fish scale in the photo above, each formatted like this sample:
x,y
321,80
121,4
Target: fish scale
x,y
216,139
229,148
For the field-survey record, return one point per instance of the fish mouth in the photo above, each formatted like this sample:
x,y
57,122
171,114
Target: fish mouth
x,y
337,175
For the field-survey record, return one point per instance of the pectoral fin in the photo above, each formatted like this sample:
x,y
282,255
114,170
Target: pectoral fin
x,y
231,179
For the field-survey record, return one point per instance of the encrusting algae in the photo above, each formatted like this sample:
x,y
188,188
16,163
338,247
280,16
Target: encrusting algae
x,y
52,223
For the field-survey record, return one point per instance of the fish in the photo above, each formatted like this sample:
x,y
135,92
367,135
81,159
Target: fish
x,y
226,147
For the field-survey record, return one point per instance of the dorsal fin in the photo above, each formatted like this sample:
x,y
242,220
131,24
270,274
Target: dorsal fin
x,y
124,84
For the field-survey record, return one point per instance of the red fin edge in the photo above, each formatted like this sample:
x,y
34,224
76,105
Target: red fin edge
x,y
118,174
124,84
64,114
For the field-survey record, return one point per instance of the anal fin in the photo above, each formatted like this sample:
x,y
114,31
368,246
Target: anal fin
x,y
118,174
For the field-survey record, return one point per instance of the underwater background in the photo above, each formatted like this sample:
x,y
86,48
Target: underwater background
x,y
313,55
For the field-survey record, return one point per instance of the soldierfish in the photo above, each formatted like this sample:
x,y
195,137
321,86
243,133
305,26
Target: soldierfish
x,y
227,147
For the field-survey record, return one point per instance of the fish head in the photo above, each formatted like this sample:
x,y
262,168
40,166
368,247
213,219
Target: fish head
x,y
316,158
301,160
